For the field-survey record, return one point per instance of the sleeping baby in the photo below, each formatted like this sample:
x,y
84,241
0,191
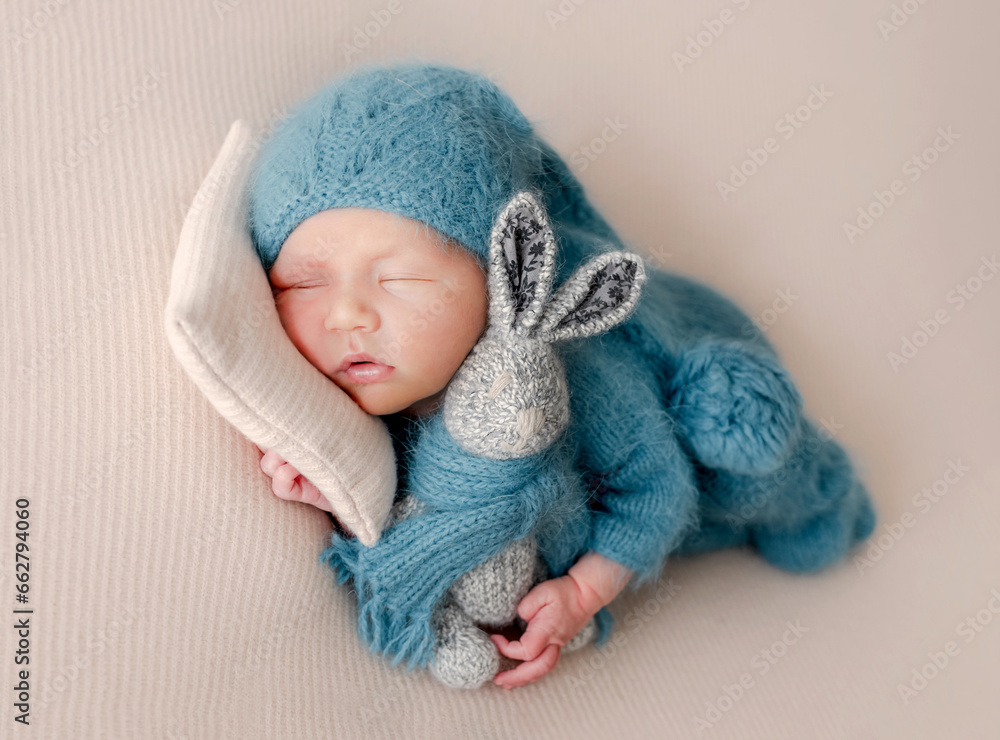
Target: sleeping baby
x,y
382,212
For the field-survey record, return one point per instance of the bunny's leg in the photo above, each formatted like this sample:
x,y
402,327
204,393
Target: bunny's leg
x,y
464,656
582,638
489,593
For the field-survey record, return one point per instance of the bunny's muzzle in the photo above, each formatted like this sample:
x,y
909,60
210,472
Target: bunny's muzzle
x,y
507,400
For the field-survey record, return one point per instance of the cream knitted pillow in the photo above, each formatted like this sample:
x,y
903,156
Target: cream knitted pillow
x,y
223,327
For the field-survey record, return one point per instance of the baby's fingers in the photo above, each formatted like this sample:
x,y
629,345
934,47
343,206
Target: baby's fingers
x,y
532,643
311,495
284,483
529,671
540,596
271,462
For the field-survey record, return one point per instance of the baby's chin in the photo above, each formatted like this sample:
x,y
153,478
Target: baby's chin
x,y
381,399
372,400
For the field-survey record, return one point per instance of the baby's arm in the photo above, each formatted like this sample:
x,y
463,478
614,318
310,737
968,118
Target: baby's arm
x,y
555,611
649,502
289,484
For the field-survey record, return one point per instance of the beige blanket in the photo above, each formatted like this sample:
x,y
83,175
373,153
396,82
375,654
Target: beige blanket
x,y
831,167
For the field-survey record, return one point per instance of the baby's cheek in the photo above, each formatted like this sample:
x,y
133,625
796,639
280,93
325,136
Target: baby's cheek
x,y
295,323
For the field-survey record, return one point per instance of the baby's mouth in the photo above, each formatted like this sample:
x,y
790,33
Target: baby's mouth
x,y
367,372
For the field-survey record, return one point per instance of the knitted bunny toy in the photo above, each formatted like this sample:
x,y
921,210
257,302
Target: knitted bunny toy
x,y
509,400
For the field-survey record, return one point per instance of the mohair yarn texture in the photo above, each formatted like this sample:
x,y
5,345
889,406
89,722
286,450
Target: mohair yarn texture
x,y
684,425
508,400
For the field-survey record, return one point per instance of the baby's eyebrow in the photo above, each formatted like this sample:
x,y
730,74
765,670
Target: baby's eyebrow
x,y
312,262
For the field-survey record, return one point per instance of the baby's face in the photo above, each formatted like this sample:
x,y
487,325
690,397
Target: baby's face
x,y
355,280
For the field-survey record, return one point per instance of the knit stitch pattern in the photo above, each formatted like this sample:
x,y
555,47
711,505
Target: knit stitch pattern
x,y
509,400
476,506
683,424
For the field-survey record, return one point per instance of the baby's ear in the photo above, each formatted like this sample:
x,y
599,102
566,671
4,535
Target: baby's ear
x,y
522,263
595,298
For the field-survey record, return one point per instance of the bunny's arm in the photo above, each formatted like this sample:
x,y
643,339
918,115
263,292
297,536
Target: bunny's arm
x,y
627,440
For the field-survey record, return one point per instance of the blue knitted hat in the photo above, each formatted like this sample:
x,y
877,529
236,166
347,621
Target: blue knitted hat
x,y
434,143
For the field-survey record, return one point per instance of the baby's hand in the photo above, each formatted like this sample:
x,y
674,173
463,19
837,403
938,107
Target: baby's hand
x,y
288,484
555,611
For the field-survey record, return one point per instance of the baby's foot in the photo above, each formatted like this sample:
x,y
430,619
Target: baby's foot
x,y
824,539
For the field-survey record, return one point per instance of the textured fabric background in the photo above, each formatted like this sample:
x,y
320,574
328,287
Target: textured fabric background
x,y
174,597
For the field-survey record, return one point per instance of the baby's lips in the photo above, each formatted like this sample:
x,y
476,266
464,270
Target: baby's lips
x,y
369,372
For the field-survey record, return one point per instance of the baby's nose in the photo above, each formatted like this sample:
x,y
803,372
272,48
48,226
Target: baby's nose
x,y
348,311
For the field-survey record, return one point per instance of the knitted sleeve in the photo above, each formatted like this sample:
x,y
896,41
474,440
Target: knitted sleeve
x,y
648,500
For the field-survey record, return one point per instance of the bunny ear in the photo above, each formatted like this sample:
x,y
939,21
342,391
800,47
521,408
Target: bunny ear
x,y
599,295
522,261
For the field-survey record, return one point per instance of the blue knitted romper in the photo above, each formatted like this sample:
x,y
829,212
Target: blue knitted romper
x,y
686,431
